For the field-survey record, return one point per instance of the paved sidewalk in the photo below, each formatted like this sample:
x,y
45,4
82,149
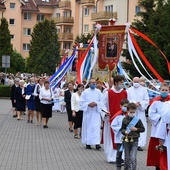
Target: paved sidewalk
x,y
26,146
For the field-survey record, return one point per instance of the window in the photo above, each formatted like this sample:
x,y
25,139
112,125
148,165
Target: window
x,y
94,9
67,30
86,28
26,47
27,31
86,11
11,21
137,10
66,45
12,36
40,17
12,5
58,15
27,16
109,8
58,30
94,26
67,14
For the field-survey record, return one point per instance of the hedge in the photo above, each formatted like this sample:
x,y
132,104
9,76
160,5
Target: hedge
x,y
5,91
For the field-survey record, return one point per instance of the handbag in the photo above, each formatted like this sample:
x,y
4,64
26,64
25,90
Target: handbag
x,y
27,97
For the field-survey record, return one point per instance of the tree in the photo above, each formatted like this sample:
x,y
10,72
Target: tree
x,y
83,38
5,40
44,48
154,22
17,63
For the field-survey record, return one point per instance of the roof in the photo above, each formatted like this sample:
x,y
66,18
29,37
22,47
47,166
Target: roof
x,y
29,6
2,6
46,2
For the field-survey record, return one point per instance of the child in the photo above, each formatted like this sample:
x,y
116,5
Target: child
x,y
131,128
116,124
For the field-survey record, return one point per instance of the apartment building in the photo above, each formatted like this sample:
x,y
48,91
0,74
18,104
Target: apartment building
x,y
22,15
72,17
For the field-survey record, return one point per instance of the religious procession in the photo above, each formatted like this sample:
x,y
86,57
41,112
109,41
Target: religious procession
x,y
112,112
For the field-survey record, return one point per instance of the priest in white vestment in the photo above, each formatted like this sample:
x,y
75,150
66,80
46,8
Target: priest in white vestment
x,y
90,103
139,95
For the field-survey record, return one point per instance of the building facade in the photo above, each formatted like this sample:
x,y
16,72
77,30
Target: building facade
x,y
74,17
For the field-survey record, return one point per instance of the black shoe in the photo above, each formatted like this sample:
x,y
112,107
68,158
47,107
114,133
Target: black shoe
x,y
88,147
45,126
139,148
31,121
14,116
122,162
71,130
28,121
98,147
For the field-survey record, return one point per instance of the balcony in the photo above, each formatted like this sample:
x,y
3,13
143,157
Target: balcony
x,y
103,16
64,4
64,20
86,2
65,36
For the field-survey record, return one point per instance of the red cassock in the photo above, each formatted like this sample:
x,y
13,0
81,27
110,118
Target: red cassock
x,y
153,157
114,106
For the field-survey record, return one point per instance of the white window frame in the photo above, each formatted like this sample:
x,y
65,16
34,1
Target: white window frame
x,y
10,20
26,47
86,11
27,31
40,17
86,28
109,8
27,16
11,4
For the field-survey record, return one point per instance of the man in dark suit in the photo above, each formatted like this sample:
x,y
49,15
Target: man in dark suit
x,y
13,88
67,99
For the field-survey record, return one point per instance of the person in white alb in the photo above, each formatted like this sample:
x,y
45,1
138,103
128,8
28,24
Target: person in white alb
x,y
166,119
155,115
90,103
139,95
76,112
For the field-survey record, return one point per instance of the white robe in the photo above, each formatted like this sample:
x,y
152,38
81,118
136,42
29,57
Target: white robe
x,y
166,119
154,115
116,126
135,95
91,117
109,151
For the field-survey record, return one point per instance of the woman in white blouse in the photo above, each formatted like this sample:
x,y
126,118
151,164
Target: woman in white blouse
x,y
46,98
76,112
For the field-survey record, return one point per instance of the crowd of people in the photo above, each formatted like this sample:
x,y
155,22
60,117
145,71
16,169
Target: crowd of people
x,y
117,108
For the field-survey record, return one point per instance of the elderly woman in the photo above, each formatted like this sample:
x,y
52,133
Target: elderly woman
x,y
19,99
76,112
46,98
30,100
38,86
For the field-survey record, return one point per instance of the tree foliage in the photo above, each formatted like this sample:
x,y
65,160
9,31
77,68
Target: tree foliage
x,y
83,38
17,63
44,48
154,22
5,40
